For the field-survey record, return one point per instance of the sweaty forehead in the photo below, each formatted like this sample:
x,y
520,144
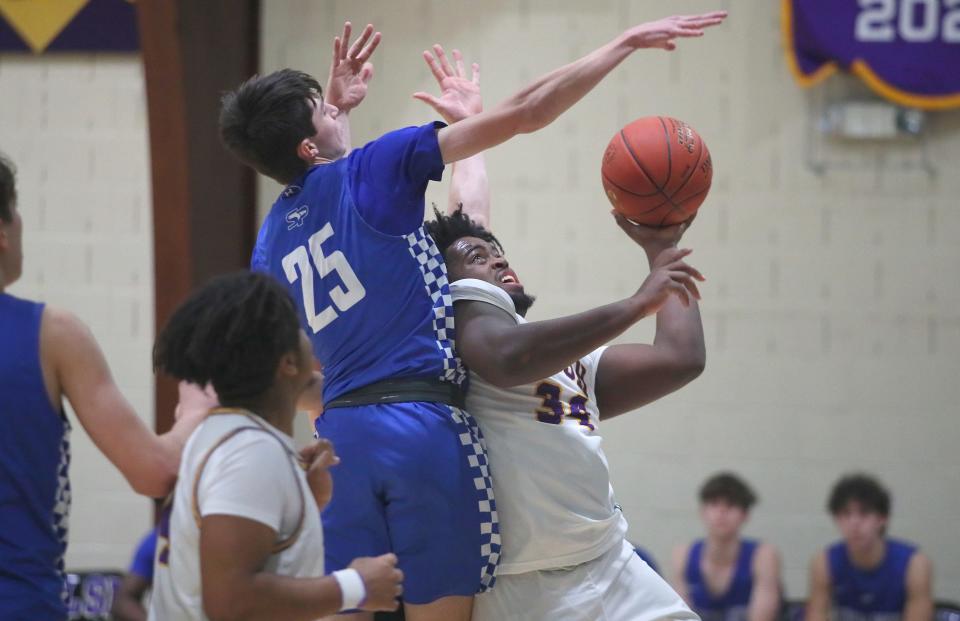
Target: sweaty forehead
x,y
465,244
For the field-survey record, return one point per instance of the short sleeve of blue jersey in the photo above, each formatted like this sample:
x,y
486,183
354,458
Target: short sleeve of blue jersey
x,y
389,177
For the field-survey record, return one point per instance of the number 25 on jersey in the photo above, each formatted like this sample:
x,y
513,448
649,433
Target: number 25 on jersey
x,y
297,264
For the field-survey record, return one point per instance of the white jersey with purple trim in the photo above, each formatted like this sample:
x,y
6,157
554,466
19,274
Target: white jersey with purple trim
x,y
550,476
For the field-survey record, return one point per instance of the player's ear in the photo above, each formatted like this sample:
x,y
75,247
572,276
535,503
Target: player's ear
x,y
289,365
307,151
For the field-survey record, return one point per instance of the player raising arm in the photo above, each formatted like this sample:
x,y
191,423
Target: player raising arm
x,y
346,237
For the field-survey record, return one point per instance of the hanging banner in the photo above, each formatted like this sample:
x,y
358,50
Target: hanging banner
x,y
68,26
907,51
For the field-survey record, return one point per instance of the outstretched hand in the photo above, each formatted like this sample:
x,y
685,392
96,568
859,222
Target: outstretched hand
x,y
653,239
351,71
662,32
459,95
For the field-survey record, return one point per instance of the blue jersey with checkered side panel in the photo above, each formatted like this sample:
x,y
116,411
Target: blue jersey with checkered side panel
x,y
34,480
370,285
372,292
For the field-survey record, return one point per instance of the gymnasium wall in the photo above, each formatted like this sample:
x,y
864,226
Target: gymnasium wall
x,y
831,303
75,126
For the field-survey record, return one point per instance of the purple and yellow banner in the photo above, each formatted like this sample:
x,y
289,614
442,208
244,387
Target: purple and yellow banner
x,y
68,26
907,51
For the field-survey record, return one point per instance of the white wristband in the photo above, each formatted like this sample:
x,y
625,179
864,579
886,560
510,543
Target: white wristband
x,y
351,587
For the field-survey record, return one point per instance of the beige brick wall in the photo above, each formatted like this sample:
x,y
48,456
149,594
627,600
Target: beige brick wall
x,y
831,306
76,128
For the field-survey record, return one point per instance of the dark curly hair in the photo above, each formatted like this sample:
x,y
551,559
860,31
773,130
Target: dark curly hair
x,y
445,229
8,189
231,333
266,118
729,487
861,488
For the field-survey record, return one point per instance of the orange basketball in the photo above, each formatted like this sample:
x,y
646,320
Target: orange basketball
x,y
657,171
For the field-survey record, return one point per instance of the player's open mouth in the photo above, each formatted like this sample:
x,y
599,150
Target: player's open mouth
x,y
508,277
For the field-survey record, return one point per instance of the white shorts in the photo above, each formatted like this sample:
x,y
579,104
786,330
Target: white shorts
x,y
617,586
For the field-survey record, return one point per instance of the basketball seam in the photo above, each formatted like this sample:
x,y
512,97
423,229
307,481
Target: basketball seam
x,y
623,189
687,199
644,170
666,139
674,206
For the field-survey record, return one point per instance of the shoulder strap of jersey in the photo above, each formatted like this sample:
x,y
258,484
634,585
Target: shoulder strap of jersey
x,y
282,544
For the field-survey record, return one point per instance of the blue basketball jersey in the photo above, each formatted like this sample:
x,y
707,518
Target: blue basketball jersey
x,y
731,605
876,593
370,285
34,486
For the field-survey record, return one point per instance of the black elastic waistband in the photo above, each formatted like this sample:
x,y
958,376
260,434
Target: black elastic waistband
x,y
401,391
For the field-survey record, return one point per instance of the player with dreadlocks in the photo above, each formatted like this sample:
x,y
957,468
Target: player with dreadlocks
x,y
243,536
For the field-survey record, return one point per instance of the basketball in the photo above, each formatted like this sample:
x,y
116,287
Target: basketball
x,y
657,171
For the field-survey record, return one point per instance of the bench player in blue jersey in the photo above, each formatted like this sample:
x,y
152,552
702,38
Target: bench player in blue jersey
x,y
346,235
725,577
868,576
47,354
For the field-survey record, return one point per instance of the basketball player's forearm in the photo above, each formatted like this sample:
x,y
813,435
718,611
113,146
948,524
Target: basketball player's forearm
x,y
550,96
532,351
469,187
268,596
679,333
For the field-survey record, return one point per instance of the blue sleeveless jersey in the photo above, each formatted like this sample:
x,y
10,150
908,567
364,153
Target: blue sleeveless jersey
x,y
731,605
347,239
34,487
878,593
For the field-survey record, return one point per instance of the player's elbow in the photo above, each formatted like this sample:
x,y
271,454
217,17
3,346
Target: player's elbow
x,y
525,113
157,479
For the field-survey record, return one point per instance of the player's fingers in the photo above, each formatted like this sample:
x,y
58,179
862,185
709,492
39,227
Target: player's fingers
x,y
434,66
681,266
336,51
370,48
687,32
476,73
360,42
398,575
428,99
681,292
688,283
458,63
444,63
390,559
345,39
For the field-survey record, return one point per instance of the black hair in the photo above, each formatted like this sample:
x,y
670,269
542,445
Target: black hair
x,y
447,229
8,189
266,118
231,333
729,487
861,488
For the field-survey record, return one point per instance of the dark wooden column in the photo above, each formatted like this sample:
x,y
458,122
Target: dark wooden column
x,y
203,200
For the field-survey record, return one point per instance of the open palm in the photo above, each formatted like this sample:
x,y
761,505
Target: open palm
x,y
459,95
351,71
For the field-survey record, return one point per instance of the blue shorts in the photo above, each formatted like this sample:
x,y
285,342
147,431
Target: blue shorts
x,y
413,480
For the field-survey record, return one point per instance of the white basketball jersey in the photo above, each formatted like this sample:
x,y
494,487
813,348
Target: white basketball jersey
x,y
550,476
251,476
